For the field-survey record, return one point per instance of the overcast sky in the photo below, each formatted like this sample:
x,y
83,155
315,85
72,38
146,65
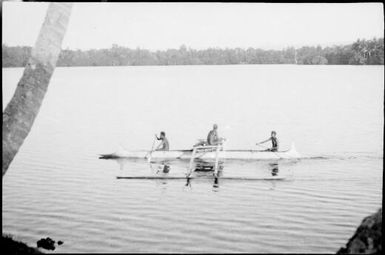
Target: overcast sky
x,y
199,25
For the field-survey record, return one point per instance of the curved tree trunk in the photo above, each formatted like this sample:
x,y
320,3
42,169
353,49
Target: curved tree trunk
x,y
20,113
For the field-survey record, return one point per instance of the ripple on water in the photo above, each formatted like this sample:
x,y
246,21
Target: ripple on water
x,y
95,212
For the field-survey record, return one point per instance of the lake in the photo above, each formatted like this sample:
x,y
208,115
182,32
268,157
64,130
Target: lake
x,y
58,187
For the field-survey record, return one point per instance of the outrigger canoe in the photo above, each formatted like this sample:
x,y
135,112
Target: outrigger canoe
x,y
205,154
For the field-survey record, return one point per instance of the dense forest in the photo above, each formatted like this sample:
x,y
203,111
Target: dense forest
x,y
361,52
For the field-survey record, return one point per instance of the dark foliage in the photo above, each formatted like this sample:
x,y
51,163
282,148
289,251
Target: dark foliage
x,y
10,246
361,52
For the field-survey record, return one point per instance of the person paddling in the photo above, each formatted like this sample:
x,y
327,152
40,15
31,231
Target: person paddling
x,y
164,145
274,142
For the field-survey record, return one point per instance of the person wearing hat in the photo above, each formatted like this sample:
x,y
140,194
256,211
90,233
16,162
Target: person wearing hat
x,y
164,145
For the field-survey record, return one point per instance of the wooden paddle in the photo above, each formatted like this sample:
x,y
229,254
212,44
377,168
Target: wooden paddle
x,y
191,162
150,152
267,149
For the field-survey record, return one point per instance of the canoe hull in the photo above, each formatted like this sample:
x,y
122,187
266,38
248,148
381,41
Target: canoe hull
x,y
207,155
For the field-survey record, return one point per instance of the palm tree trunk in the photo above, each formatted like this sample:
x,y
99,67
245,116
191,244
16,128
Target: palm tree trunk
x,y
21,111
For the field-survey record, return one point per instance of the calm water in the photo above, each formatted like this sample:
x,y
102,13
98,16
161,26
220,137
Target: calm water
x,y
57,186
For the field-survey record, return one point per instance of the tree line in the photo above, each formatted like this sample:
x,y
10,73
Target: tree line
x,y
361,52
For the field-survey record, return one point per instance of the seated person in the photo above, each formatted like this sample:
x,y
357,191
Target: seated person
x,y
274,142
163,146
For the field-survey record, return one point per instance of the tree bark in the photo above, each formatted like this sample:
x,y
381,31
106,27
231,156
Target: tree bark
x,y
21,111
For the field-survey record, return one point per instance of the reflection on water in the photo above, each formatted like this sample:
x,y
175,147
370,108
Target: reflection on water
x,y
202,169
274,168
164,171
216,184
162,168
335,191
206,169
202,165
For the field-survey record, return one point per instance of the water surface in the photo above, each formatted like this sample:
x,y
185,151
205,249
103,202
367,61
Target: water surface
x,y
57,186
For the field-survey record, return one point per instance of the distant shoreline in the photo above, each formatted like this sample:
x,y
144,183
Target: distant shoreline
x,y
361,52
